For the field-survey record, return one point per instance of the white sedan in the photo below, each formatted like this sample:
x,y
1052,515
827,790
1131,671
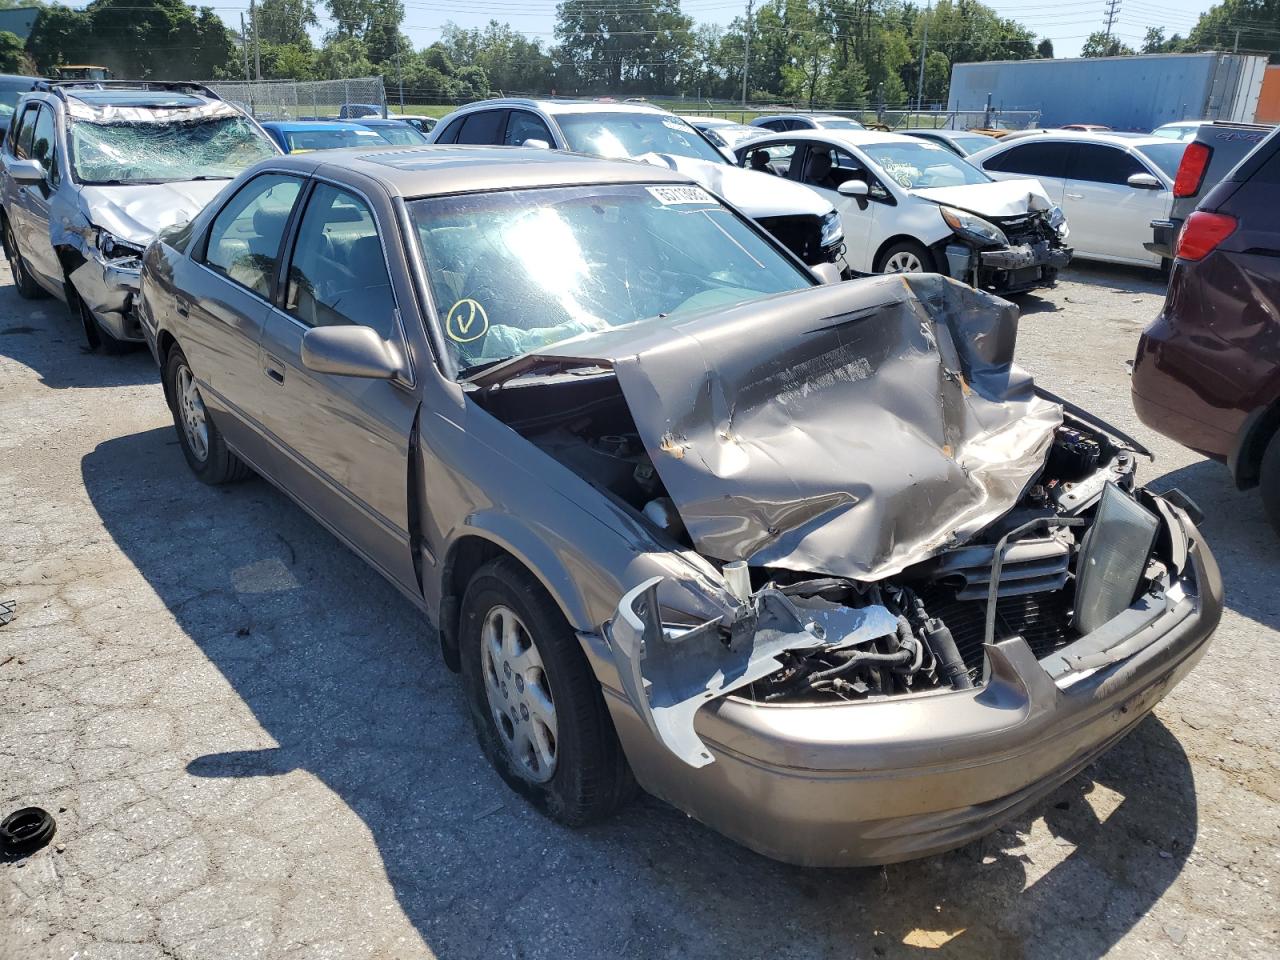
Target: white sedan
x,y
1110,185
910,206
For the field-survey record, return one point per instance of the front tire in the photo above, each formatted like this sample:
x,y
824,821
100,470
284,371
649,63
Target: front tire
x,y
537,708
1269,481
906,256
207,453
96,337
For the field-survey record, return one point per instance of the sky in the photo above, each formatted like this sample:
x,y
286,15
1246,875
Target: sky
x,y
1067,23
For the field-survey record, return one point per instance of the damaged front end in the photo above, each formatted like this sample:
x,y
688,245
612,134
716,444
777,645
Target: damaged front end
x,y
107,282
1007,254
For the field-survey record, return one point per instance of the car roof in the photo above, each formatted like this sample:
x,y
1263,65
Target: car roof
x,y
303,125
553,105
947,134
854,138
142,99
1111,138
438,170
378,121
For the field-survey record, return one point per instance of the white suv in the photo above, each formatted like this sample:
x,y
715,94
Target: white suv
x,y
805,223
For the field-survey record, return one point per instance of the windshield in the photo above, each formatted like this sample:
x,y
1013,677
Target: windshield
x,y
401,136
623,135
1166,156
917,165
968,145
302,141
211,148
515,270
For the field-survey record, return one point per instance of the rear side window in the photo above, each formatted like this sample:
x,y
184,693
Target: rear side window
x,y
483,126
1033,159
338,274
1101,164
244,241
523,125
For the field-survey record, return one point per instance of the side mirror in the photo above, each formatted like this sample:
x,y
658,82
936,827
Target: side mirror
x,y
350,351
536,144
854,188
25,171
1145,181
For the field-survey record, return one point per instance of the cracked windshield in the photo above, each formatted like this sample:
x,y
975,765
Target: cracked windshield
x,y
204,149
518,270
912,165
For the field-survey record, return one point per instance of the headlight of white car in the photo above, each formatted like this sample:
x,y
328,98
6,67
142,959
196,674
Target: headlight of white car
x,y
1058,220
832,230
114,248
972,227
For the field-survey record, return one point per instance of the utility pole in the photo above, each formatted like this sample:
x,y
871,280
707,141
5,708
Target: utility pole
x,y
257,50
746,52
924,45
400,71
1113,11
244,47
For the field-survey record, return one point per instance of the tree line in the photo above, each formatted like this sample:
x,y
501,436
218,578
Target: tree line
x,y
854,53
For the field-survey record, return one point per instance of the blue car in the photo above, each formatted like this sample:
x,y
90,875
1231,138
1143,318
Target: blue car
x,y
400,132
301,136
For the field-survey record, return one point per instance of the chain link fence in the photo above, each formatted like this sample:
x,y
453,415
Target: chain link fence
x,y
302,99
937,119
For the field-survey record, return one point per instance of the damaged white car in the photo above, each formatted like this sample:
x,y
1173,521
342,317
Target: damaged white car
x,y
816,564
93,171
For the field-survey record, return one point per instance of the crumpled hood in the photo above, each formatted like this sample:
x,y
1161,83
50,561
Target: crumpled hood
x,y
851,429
755,194
137,213
1000,198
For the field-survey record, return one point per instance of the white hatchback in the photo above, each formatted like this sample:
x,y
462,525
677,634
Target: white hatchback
x,y
911,206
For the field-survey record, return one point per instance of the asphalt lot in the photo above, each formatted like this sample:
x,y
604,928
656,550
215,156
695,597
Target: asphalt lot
x,y
253,749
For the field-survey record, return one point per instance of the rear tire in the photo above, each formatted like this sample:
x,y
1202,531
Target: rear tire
x,y
906,256
562,755
207,453
1269,481
27,288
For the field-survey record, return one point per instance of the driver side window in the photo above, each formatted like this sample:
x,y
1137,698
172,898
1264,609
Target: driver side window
x,y
338,274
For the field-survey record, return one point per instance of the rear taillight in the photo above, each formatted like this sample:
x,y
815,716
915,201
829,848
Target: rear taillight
x,y
1195,161
1201,233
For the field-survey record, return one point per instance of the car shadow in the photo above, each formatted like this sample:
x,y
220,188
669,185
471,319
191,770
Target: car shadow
x,y
1242,540
1120,277
43,336
345,677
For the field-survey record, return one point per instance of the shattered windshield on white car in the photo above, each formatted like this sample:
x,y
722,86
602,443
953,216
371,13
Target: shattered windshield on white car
x,y
920,165
513,271
619,136
209,148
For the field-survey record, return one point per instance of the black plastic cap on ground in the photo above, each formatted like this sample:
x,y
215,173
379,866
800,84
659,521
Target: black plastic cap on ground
x,y
25,831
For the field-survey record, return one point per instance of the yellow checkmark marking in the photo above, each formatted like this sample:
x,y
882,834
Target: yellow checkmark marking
x,y
465,316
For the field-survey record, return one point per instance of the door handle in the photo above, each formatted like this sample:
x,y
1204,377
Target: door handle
x,y
182,306
274,369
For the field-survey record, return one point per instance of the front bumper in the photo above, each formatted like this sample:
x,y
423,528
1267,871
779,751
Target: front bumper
x,y
109,288
882,781
1016,268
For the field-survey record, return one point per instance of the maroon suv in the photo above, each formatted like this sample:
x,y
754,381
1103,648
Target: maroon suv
x,y
1207,372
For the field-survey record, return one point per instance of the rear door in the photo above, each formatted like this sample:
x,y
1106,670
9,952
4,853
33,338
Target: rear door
x,y
1108,218
342,443
224,294
1043,160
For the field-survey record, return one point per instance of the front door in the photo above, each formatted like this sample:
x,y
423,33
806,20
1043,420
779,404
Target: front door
x,y
824,169
1107,217
342,442
37,140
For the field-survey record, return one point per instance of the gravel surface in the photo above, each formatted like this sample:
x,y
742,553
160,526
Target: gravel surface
x,y
253,749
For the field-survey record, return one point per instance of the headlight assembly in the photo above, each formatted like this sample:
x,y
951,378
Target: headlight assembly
x,y
972,227
1058,220
832,230
113,248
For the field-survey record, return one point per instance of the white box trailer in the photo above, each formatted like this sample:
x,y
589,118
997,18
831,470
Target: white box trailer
x,y
1124,93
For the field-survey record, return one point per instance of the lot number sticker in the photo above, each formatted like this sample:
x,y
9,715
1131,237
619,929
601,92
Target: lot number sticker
x,y
671,196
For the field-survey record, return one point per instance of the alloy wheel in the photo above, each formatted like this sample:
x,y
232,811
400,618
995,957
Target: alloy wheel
x,y
904,261
519,693
191,408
